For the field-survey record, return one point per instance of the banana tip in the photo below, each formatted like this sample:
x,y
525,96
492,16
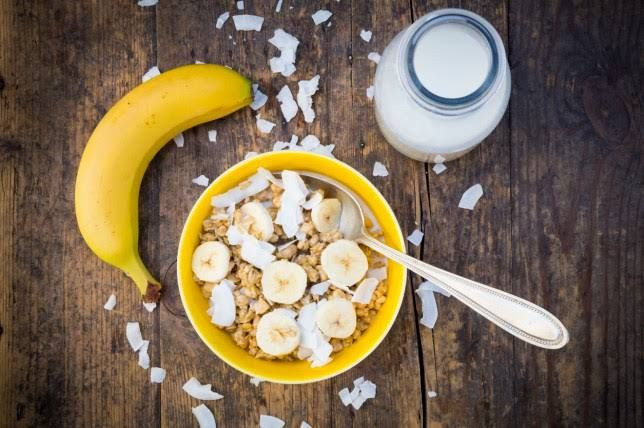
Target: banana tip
x,y
152,293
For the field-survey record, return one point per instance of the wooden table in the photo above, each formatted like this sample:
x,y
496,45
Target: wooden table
x,y
561,222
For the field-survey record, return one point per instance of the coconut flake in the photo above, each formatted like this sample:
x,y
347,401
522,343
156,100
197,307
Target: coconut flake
x,y
259,98
321,16
221,20
416,237
250,187
368,389
287,103
264,126
222,305
240,5
153,72
307,88
111,303
195,389
365,290
439,167
212,136
366,35
320,288
430,286
157,375
439,159
358,381
374,57
358,402
144,358
149,306
345,396
235,235
379,170
133,334
294,186
256,253
263,172
432,394
313,201
471,197
287,45
304,424
199,62
430,310
310,143
268,421
278,6
204,416
256,381
280,145
306,316
378,273
147,3
250,155
248,22
179,140
202,180
370,92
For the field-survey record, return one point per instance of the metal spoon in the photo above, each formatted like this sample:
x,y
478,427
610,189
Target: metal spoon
x,y
517,316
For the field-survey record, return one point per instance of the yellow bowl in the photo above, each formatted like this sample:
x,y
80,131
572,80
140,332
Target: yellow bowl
x,y
219,341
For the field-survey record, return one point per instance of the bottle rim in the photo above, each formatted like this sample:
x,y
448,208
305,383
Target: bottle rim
x,y
434,102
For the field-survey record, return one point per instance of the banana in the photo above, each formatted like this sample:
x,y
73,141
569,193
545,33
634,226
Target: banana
x,y
256,221
336,318
210,261
284,282
123,144
326,215
277,334
344,262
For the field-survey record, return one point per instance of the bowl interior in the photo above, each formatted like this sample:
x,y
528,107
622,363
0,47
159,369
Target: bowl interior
x,y
221,342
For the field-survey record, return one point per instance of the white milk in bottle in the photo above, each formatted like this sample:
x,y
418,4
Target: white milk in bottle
x,y
442,85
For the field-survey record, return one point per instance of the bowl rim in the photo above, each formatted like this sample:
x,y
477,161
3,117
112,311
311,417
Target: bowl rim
x,y
397,232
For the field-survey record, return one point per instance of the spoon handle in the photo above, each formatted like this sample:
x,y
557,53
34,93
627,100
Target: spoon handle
x,y
513,314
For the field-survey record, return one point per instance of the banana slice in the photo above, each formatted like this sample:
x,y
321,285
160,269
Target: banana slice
x,y
344,262
256,220
283,282
277,334
210,261
326,215
336,318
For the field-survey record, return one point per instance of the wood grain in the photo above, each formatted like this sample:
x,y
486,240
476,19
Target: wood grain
x,y
561,221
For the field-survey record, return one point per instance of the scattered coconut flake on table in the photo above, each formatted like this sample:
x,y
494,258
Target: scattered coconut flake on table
x,y
379,170
370,92
304,424
153,72
471,197
202,180
240,5
250,155
377,273
307,88
345,396
368,389
147,3
259,98
430,286
439,159
204,416
320,288
287,103
248,22
264,126
278,6
157,375
365,290
287,45
195,389
149,306
133,334
222,305
321,16
212,136
432,394
178,140
366,35
416,237
111,303
310,142
439,167
221,20
268,421
199,62
362,391
426,292
256,381
374,56
144,358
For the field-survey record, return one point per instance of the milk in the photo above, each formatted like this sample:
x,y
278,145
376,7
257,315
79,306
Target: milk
x,y
442,85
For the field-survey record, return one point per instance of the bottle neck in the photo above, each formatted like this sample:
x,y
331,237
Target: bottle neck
x,y
435,102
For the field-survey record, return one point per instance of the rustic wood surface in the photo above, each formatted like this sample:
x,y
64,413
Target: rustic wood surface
x,y
561,222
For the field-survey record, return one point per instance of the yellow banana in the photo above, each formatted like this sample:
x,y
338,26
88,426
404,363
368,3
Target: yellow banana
x,y
123,144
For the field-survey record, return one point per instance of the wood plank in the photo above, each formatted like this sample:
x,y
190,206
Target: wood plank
x,y
472,358
323,50
577,192
67,361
